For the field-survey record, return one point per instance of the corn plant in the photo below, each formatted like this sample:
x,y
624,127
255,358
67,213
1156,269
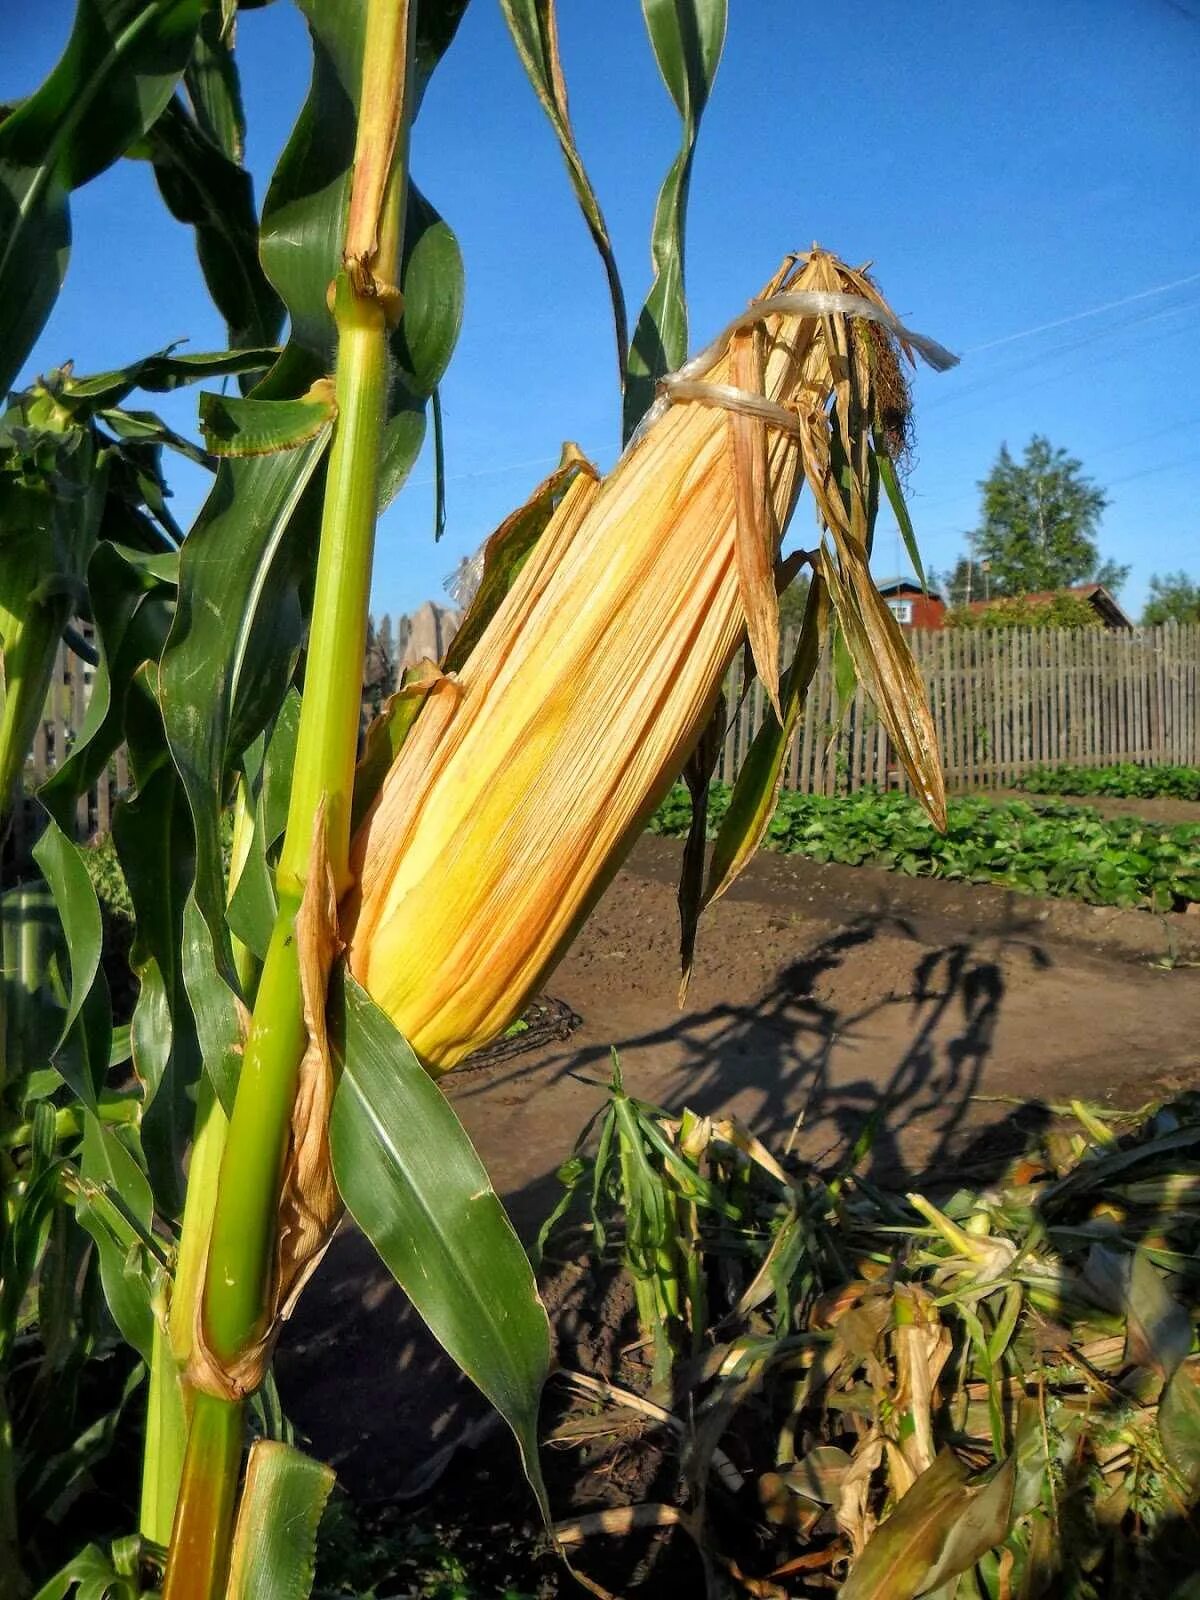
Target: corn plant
x,y
321,931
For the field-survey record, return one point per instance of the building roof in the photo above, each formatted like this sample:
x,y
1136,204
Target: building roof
x,y
1094,593
888,586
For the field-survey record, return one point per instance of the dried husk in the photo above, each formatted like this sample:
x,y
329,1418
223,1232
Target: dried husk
x,y
506,813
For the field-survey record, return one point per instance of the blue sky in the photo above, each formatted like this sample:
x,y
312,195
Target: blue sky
x,y
1007,168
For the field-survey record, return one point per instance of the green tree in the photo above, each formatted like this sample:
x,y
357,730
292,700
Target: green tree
x,y
792,603
1040,518
1173,598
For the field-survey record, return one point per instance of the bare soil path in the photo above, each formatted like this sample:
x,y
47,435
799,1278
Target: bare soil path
x,y
818,991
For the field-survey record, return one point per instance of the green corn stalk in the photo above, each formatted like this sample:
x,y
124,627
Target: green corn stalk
x,y
236,1307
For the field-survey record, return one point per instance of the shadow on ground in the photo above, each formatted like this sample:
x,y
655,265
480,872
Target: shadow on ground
x,y
809,1072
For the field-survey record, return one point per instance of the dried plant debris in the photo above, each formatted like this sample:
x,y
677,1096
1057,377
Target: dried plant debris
x,y
972,1394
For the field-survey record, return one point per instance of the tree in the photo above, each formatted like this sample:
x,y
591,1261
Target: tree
x,y
1063,611
792,603
1040,518
1173,598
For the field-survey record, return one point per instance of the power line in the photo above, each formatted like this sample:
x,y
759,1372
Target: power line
x,y
1079,316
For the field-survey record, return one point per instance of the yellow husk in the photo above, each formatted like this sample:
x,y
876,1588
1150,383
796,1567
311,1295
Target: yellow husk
x,y
506,813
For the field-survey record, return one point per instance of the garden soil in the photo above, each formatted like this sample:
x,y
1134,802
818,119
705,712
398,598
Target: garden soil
x,y
819,994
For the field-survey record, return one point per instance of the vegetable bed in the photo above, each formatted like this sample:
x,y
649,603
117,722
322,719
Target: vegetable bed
x,y
1064,850
1123,781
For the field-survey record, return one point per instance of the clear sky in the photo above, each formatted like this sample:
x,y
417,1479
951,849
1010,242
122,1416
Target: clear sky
x,y
1008,169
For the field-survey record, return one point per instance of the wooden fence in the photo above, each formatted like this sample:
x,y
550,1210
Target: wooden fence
x,y
1004,700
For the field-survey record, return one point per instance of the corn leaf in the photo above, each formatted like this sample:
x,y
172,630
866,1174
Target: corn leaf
x,y
258,427
756,788
205,187
225,670
1179,1425
153,835
982,1524
506,551
274,1552
119,69
213,86
230,652
902,1552
303,223
886,667
162,372
131,609
116,1206
688,37
253,905
78,1055
534,28
891,487
305,207
411,1179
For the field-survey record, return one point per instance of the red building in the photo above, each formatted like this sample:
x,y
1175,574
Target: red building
x,y
909,603
913,608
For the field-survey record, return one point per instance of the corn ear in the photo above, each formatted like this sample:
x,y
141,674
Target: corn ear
x,y
508,810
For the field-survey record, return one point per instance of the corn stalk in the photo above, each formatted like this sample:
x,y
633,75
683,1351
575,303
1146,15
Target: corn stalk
x,y
242,1294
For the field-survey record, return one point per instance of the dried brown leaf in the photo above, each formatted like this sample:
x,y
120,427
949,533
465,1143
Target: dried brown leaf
x,y
757,537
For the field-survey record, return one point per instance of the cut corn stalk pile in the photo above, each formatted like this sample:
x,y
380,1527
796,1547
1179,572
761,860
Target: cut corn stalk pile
x,y
971,1393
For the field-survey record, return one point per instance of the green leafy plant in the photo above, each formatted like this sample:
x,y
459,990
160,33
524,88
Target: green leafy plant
x,y
1056,850
1124,781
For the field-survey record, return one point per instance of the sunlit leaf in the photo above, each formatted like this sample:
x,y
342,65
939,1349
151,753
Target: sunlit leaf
x,y
534,28
411,1179
688,37
275,1539
119,69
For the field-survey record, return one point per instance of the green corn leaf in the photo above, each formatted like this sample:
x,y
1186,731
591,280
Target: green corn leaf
x,y
91,1575
205,187
235,428
161,373
274,1550
411,1179
115,1205
120,67
52,494
895,494
153,835
81,1053
688,37
131,608
229,655
253,905
304,211
534,28
213,86
225,670
33,951
756,789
